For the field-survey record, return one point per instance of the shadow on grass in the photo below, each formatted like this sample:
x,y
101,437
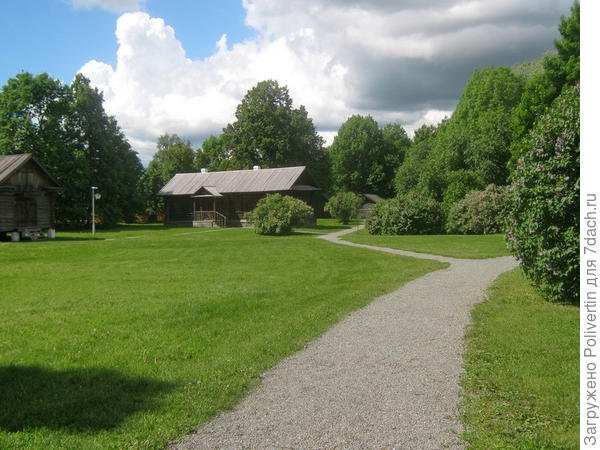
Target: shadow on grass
x,y
79,400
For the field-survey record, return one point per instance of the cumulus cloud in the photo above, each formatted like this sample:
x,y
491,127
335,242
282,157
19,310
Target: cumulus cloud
x,y
398,61
118,6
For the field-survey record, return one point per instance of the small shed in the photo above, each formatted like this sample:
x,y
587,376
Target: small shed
x,y
369,202
224,198
27,197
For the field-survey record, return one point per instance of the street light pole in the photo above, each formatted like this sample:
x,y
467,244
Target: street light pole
x,y
93,211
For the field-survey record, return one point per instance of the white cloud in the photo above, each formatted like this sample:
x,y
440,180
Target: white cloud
x,y
155,88
118,6
398,61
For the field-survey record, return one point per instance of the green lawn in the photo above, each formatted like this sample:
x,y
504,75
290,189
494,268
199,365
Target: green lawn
x,y
130,340
456,246
521,385
329,226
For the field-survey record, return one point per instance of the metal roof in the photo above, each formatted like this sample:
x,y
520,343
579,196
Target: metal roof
x,y
234,181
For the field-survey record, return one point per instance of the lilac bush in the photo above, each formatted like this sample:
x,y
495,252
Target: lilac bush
x,y
412,213
480,212
543,214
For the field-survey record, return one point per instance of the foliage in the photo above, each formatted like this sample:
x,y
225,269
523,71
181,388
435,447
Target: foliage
x,y
537,95
543,225
133,354
415,161
270,132
528,69
67,130
563,68
480,212
479,133
459,184
560,69
521,379
344,206
276,214
364,158
455,246
396,143
412,213
469,150
174,155
213,155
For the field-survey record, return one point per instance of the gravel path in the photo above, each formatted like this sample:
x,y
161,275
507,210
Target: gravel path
x,y
387,376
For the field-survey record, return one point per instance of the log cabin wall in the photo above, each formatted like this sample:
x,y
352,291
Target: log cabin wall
x,y
27,195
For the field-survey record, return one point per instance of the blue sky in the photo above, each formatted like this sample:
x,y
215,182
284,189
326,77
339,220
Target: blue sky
x,y
53,36
182,66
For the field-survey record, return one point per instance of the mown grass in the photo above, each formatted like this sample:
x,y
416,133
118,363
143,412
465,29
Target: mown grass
x,y
455,246
329,226
521,383
132,339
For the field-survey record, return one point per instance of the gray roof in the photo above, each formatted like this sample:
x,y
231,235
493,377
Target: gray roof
x,y
235,181
9,164
373,198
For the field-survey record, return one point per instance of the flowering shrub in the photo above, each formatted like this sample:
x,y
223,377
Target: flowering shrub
x,y
543,214
411,213
480,212
277,214
343,206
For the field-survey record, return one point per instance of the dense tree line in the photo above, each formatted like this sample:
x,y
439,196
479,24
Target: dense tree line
x,y
68,132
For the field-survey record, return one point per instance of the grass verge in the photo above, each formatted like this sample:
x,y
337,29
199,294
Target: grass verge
x,y
455,246
132,339
521,383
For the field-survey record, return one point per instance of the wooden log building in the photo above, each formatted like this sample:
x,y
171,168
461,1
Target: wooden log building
x,y
27,197
223,198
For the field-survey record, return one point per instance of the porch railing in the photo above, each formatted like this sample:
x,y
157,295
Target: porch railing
x,y
215,217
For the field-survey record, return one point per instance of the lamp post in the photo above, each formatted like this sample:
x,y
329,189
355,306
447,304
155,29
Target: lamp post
x,y
95,196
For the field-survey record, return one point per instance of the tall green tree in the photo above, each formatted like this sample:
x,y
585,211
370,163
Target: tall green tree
x,y
396,143
409,173
113,166
560,69
213,154
270,132
173,155
563,68
66,129
361,159
469,150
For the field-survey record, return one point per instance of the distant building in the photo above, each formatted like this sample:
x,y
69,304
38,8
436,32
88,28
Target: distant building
x,y
27,196
369,202
224,198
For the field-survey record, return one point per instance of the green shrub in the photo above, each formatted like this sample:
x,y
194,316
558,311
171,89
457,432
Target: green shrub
x,y
344,206
459,183
412,213
277,214
480,212
543,214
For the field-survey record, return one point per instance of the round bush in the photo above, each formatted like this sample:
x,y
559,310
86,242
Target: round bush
x,y
412,213
543,214
276,214
344,206
480,212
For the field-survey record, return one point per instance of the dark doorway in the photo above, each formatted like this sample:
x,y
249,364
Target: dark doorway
x,y
26,209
